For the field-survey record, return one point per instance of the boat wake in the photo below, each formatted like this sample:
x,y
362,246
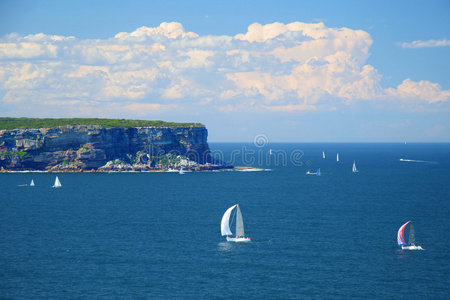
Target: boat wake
x,y
418,161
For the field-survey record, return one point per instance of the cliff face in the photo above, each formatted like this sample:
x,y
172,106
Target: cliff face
x,y
84,147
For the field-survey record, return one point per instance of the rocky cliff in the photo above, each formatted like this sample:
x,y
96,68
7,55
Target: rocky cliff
x,y
86,147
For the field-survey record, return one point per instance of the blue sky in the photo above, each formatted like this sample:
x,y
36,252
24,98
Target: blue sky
x,y
296,71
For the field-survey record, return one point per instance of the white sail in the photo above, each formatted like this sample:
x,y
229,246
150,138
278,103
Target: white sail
x,y
57,183
323,154
337,157
412,236
32,182
225,224
354,170
239,223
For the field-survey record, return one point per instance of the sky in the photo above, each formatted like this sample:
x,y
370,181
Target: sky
x,y
292,71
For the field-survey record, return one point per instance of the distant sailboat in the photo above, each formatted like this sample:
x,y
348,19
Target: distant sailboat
x,y
337,157
314,173
411,240
32,182
270,151
323,154
225,225
57,183
354,169
181,171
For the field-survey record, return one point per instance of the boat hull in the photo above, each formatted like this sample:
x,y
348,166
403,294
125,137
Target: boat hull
x,y
412,248
238,239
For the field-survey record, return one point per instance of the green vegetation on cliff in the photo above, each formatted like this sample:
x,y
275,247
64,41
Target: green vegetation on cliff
x,y
12,123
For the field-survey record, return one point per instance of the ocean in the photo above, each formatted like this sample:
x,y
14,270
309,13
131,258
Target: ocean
x,y
157,235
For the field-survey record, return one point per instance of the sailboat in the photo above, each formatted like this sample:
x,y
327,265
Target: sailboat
x,y
32,182
181,171
354,169
225,226
57,183
314,173
411,239
323,154
337,157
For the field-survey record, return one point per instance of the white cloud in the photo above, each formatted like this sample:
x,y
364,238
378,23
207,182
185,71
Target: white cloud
x,y
273,67
426,44
423,91
169,30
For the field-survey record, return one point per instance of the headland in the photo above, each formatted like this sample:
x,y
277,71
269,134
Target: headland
x,y
103,145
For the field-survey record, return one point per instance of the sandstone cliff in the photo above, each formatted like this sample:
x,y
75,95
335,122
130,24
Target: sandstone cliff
x,y
86,147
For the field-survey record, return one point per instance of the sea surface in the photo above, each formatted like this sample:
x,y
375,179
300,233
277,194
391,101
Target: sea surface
x,y
157,235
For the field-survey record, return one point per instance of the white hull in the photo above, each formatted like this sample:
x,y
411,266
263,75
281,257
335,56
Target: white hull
x,y
412,248
238,239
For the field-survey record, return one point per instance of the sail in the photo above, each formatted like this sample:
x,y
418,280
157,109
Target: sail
x,y
318,172
32,182
354,167
225,224
57,182
239,223
412,238
401,234
337,157
323,155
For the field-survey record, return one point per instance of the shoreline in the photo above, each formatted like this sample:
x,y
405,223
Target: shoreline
x,y
236,169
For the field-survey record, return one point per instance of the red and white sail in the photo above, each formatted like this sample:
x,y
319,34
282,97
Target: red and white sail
x,y
401,234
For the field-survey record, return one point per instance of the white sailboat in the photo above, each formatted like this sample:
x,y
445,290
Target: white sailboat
x,y
323,154
337,157
411,240
181,171
57,183
314,173
32,182
354,169
225,226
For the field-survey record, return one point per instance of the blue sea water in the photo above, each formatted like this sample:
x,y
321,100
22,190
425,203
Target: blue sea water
x,y
157,235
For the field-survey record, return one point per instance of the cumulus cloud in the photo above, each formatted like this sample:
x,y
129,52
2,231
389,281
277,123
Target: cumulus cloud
x,y
423,91
426,44
273,67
